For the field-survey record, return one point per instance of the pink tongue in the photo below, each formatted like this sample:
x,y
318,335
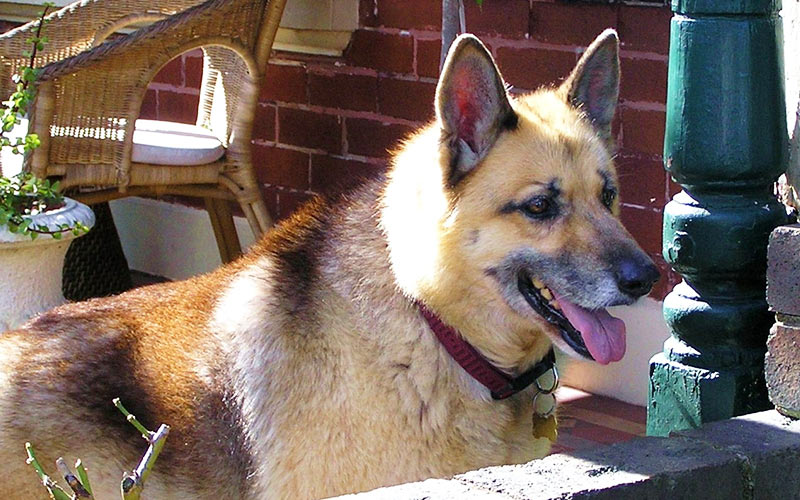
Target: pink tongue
x,y
603,334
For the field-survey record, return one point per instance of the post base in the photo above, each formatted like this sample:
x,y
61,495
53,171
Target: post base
x,y
684,397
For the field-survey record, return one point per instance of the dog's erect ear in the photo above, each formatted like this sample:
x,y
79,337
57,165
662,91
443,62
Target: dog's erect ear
x,y
471,105
593,85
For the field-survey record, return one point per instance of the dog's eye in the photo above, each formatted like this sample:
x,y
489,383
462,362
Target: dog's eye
x,y
609,195
539,206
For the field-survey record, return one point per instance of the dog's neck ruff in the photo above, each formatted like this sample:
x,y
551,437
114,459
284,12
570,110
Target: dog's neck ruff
x,y
499,383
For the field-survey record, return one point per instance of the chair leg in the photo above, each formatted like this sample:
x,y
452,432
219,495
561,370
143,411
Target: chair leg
x,y
219,211
262,215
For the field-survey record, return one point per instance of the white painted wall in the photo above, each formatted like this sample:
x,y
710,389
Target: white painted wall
x,y
177,242
169,240
628,379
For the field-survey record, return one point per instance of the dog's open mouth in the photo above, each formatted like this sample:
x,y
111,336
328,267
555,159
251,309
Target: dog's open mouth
x,y
594,334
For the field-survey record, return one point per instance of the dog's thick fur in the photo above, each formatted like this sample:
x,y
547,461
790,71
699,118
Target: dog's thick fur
x,y
304,369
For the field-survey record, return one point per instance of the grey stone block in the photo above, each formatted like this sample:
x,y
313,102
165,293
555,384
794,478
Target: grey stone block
x,y
767,445
752,457
430,489
782,367
783,269
646,468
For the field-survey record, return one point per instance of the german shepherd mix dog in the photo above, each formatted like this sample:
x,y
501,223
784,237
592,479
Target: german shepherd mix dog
x,y
320,362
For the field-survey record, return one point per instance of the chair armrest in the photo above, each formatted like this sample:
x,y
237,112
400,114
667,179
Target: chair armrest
x,y
73,29
151,44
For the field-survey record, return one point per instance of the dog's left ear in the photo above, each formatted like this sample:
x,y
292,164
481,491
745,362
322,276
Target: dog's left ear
x,y
593,85
472,106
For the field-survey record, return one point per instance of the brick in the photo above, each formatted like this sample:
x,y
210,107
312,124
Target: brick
x,y
782,365
406,99
264,123
309,129
642,181
290,201
149,109
643,80
645,226
284,83
428,56
783,269
530,68
333,175
8,25
643,130
270,195
570,24
668,280
171,73
389,52
177,107
373,138
673,187
424,14
192,69
367,13
508,18
354,92
281,167
644,28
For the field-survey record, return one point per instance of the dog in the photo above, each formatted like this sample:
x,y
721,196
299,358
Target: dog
x,y
320,363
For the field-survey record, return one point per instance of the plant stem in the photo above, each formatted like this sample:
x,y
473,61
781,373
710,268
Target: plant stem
x,y
54,489
132,420
133,483
83,476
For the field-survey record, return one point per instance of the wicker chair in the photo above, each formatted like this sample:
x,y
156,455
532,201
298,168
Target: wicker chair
x,y
90,91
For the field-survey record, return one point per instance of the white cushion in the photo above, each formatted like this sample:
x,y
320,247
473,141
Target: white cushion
x,y
169,143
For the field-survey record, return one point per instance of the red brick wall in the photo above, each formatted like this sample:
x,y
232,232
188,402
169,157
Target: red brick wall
x,y
325,122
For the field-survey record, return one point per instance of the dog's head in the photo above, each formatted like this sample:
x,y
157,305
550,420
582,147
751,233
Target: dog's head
x,y
529,206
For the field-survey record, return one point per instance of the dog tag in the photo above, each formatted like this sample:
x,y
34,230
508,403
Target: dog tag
x,y
545,427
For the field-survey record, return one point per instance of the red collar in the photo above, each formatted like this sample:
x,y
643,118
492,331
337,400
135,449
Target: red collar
x,y
499,383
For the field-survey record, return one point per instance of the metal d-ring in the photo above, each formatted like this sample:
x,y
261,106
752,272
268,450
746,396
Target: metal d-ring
x,y
553,387
550,410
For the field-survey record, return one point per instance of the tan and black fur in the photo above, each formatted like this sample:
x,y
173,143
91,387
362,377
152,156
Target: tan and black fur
x,y
304,369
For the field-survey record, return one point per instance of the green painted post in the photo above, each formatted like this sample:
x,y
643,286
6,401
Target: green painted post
x,y
725,144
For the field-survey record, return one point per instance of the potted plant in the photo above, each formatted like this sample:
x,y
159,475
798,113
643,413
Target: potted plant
x,y
36,226
37,223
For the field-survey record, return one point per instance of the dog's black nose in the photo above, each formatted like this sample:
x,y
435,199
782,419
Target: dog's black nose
x,y
636,277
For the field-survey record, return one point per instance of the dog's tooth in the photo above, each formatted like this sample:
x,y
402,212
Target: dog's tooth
x,y
555,305
546,293
538,284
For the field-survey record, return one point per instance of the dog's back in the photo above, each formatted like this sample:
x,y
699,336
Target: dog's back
x,y
150,347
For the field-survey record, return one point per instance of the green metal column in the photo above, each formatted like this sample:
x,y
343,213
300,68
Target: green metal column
x,y
725,144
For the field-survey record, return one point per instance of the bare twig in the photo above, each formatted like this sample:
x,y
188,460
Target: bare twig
x,y
72,480
133,483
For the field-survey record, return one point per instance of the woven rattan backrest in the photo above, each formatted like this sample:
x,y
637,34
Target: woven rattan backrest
x,y
89,101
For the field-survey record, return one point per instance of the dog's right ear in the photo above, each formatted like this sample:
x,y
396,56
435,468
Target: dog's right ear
x,y
472,106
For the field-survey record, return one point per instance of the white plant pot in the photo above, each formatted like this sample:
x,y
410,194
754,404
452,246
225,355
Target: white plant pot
x,y
30,270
